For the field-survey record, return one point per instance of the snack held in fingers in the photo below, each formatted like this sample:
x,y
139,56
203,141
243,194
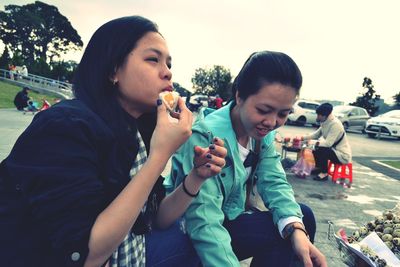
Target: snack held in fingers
x,y
170,99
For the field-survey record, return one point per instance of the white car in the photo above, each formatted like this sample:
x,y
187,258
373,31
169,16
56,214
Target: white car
x,y
387,124
303,112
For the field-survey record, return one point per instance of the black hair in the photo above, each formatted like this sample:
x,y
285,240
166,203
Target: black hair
x,y
106,51
324,109
266,67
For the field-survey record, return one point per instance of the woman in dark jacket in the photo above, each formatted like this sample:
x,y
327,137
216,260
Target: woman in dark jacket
x,y
92,194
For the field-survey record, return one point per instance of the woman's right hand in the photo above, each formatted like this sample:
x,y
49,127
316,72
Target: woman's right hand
x,y
169,135
209,161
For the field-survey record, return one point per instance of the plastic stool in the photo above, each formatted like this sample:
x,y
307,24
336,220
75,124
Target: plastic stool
x,y
340,171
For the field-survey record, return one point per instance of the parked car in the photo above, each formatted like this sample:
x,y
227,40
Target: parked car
x,y
387,124
196,102
352,117
303,112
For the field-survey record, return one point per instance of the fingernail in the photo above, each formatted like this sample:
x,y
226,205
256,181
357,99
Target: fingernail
x,y
208,165
212,146
209,156
159,102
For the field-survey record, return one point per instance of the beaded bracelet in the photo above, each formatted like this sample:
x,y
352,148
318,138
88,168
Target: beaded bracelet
x,y
187,191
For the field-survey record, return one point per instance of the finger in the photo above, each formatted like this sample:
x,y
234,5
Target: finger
x,y
220,162
200,158
161,111
209,170
181,105
175,115
218,141
217,150
185,113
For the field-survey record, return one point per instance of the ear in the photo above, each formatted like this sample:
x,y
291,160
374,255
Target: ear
x,y
237,98
113,78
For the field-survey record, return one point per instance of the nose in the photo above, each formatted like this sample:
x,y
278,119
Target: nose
x,y
270,121
166,73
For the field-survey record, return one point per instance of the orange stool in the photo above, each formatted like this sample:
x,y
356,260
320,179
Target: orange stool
x,y
340,171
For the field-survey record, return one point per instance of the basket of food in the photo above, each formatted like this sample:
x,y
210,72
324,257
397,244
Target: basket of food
x,y
376,243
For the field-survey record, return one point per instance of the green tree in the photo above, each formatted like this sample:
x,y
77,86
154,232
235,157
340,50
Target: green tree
x,y
216,80
368,99
63,70
36,31
200,81
396,98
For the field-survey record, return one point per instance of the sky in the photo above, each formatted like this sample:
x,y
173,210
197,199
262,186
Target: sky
x,y
335,43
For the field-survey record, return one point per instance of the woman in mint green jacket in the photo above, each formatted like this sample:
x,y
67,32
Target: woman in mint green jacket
x,y
222,230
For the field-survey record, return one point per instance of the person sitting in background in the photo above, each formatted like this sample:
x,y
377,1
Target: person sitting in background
x,y
32,107
332,143
21,99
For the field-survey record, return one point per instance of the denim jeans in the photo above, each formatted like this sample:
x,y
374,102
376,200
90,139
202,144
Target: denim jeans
x,y
255,235
170,247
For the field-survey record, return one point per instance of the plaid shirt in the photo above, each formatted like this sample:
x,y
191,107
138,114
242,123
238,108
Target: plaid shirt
x,y
131,252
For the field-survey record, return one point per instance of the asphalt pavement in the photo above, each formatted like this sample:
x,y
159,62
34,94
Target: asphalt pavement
x,y
375,189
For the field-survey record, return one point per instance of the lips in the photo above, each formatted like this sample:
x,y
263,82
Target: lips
x,y
262,131
168,89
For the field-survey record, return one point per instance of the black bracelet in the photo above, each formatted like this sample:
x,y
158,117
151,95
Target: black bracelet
x,y
185,189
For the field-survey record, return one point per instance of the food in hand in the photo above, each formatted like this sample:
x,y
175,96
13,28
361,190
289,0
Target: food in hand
x,y
170,99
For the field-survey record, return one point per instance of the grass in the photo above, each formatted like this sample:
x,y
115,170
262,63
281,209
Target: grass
x,y
393,163
8,92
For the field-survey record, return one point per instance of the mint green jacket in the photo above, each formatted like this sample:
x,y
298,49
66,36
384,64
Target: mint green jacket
x,y
223,196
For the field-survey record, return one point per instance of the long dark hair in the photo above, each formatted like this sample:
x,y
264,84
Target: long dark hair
x,y
266,67
106,51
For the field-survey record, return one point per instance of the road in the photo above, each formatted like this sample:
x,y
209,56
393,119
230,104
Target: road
x,y
361,144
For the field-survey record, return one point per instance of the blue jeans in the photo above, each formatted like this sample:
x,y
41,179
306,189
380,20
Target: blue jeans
x,y
255,235
170,247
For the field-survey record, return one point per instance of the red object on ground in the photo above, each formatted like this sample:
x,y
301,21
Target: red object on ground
x,y
340,171
45,105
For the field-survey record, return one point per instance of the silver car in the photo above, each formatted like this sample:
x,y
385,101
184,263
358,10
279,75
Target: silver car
x,y
352,117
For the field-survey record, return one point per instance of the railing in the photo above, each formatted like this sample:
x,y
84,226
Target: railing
x,y
38,83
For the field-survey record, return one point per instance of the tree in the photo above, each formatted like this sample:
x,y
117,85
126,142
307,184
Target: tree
x,y
200,81
396,98
368,99
220,80
216,80
63,70
37,31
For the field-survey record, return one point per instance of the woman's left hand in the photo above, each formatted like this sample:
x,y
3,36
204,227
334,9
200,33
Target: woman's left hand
x,y
209,161
306,251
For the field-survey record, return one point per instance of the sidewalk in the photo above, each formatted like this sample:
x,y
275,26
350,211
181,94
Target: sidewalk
x,y
371,193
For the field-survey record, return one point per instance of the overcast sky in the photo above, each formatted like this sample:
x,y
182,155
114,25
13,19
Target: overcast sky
x,y
335,43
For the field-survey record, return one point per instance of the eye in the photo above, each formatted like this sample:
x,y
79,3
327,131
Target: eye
x,y
153,59
262,111
283,114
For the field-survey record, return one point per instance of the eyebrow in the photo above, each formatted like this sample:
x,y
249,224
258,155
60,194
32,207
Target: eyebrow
x,y
158,52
